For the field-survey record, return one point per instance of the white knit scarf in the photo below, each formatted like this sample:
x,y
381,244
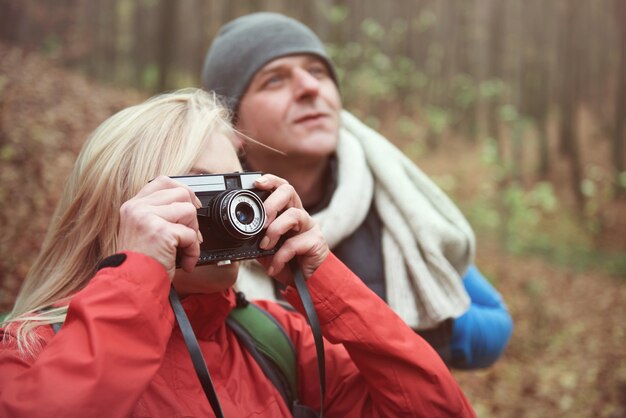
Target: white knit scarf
x,y
427,243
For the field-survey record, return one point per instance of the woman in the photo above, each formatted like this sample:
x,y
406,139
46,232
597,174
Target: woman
x,y
105,270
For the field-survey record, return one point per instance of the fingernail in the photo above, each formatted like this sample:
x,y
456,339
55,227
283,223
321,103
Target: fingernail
x,y
261,180
264,243
270,271
198,203
200,238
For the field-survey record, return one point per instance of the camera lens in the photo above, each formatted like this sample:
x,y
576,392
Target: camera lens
x,y
241,213
244,213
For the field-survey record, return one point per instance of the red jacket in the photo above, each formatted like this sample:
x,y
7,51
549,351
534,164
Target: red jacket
x,y
120,354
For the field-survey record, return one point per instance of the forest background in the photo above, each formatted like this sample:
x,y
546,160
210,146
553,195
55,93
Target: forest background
x,y
517,109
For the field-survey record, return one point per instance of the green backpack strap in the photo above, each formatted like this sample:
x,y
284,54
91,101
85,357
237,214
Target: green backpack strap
x,y
270,345
268,342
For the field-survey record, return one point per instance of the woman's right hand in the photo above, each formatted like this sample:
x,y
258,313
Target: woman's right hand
x,y
287,218
161,220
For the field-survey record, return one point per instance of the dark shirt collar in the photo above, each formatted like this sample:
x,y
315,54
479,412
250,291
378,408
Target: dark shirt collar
x,y
330,180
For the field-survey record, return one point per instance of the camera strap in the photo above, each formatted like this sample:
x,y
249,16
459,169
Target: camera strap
x,y
198,360
196,354
314,323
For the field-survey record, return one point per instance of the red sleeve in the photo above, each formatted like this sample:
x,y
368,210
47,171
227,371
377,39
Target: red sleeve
x,y
104,356
375,364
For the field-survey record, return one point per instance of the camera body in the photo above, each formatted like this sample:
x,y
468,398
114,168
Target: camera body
x,y
231,218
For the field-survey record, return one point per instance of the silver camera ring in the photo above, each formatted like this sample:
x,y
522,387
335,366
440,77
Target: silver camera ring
x,y
242,213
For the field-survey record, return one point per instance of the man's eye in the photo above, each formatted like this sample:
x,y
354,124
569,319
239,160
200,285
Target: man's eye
x,y
318,71
273,80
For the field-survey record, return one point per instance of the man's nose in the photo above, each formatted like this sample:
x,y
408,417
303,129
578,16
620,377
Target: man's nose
x,y
305,84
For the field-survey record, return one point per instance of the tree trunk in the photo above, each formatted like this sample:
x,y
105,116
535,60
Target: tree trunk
x,y
109,36
620,101
535,89
495,72
543,167
569,97
167,41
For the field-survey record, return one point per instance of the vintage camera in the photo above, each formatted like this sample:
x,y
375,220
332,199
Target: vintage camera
x,y
231,217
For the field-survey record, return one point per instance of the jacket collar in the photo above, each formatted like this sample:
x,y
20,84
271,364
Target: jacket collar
x,y
207,313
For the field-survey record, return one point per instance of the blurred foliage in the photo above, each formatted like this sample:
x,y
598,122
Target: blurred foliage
x,y
43,123
533,220
527,212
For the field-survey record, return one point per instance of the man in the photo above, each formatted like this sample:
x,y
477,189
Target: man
x,y
380,214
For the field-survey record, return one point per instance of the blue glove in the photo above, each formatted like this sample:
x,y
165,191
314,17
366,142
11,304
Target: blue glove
x,y
481,334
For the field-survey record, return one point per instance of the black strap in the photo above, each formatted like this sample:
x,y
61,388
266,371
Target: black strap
x,y
198,360
314,323
196,354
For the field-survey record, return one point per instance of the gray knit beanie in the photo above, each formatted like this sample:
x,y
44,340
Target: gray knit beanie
x,y
244,45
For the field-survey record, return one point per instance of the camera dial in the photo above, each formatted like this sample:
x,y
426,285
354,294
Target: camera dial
x,y
241,213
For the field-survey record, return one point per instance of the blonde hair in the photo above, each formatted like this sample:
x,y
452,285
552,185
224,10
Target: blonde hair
x,y
162,136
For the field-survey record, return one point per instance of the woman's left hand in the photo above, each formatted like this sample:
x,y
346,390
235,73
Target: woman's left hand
x,y
285,215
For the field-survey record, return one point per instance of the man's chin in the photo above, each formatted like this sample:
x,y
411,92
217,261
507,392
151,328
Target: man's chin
x,y
319,141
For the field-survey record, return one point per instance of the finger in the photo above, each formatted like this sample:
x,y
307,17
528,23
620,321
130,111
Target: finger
x,y
169,195
295,220
138,212
188,246
159,183
164,182
282,198
138,219
309,247
148,233
269,182
177,212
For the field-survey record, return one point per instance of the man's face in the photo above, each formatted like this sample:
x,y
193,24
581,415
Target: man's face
x,y
292,105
